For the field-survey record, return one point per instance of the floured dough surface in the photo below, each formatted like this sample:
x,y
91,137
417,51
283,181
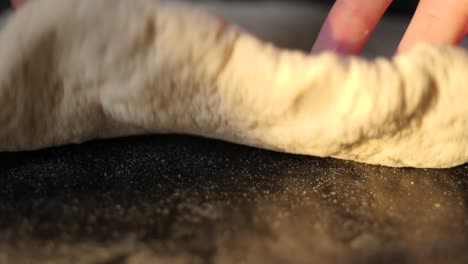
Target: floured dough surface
x,y
90,69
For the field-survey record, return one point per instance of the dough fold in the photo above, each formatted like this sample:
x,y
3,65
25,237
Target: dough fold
x,y
73,71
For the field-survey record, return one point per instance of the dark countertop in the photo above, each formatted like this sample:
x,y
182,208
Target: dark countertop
x,y
193,200
177,199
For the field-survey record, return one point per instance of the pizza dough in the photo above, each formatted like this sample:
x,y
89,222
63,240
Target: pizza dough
x,y
72,71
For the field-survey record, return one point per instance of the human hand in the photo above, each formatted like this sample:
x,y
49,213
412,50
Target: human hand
x,y
17,3
350,23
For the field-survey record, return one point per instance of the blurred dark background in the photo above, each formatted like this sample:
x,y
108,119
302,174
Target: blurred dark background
x,y
398,6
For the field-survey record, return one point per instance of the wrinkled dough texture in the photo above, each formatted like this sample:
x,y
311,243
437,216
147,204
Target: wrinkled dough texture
x,y
90,69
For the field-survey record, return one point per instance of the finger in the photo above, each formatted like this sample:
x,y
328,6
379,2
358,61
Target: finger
x,y
436,21
17,3
349,25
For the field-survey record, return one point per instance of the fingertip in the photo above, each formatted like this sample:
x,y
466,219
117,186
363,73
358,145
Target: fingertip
x,y
349,25
17,3
436,22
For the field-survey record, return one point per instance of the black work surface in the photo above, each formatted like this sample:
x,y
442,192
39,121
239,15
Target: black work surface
x,y
175,199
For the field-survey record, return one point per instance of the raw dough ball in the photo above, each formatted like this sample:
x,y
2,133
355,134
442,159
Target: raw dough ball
x,y
71,71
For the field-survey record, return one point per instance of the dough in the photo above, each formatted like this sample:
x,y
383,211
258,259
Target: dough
x,y
72,71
